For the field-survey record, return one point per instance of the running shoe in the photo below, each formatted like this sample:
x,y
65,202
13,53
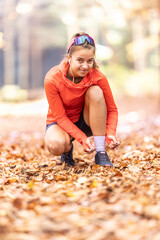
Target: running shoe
x,y
102,159
68,158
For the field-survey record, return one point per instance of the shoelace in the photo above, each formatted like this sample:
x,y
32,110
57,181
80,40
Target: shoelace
x,y
103,156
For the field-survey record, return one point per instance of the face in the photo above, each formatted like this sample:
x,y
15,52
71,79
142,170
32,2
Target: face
x,y
81,62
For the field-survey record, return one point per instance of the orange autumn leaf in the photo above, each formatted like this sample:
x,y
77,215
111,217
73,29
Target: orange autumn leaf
x,y
30,184
60,178
70,194
94,184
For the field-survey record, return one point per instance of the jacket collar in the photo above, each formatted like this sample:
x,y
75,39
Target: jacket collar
x,y
63,67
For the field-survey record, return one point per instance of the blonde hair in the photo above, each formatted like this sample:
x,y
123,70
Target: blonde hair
x,y
84,45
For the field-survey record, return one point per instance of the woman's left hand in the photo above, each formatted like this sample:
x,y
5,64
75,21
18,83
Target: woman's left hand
x,y
113,141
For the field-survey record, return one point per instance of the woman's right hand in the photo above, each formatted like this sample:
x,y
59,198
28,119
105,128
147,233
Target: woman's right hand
x,y
88,146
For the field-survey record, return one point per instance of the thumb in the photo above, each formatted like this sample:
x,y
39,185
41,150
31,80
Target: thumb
x,y
108,140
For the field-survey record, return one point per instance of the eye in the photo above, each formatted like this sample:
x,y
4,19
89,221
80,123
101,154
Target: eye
x,y
90,60
79,60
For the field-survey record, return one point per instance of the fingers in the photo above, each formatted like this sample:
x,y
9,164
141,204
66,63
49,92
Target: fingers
x,y
114,142
89,147
89,150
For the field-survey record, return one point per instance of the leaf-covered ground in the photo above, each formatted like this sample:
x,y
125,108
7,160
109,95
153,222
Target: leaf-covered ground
x,y
42,200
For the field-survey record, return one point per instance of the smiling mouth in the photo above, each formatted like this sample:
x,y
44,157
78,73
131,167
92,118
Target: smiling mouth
x,y
84,71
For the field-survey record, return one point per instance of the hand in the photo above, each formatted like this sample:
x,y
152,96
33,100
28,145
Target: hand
x,y
89,146
112,141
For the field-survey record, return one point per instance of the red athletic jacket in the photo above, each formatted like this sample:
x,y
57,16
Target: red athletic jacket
x,y
66,99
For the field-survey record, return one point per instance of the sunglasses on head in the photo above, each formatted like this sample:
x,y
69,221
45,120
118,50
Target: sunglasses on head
x,y
81,40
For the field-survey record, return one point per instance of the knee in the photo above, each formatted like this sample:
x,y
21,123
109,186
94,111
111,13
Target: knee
x,y
55,147
95,93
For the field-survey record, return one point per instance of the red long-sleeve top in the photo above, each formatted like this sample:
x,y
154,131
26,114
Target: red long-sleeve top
x,y
66,99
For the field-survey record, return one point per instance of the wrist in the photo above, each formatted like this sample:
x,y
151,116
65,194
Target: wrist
x,y
83,140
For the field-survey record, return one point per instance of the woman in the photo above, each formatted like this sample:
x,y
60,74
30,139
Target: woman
x,y
80,104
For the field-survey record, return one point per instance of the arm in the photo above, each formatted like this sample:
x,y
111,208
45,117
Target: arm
x,y
58,111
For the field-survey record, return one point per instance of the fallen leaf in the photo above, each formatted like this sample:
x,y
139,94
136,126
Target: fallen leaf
x,y
94,184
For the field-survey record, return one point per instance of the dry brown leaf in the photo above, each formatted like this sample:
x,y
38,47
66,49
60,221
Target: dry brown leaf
x,y
60,177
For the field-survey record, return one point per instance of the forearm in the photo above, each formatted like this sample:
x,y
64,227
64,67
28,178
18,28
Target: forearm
x,y
68,126
112,121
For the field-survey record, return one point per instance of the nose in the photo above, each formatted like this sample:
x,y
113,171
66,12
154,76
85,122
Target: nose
x,y
85,65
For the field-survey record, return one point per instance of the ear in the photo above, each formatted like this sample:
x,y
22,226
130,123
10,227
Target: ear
x,y
68,58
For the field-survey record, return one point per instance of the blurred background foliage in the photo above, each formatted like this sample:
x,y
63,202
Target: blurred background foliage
x,y
34,35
